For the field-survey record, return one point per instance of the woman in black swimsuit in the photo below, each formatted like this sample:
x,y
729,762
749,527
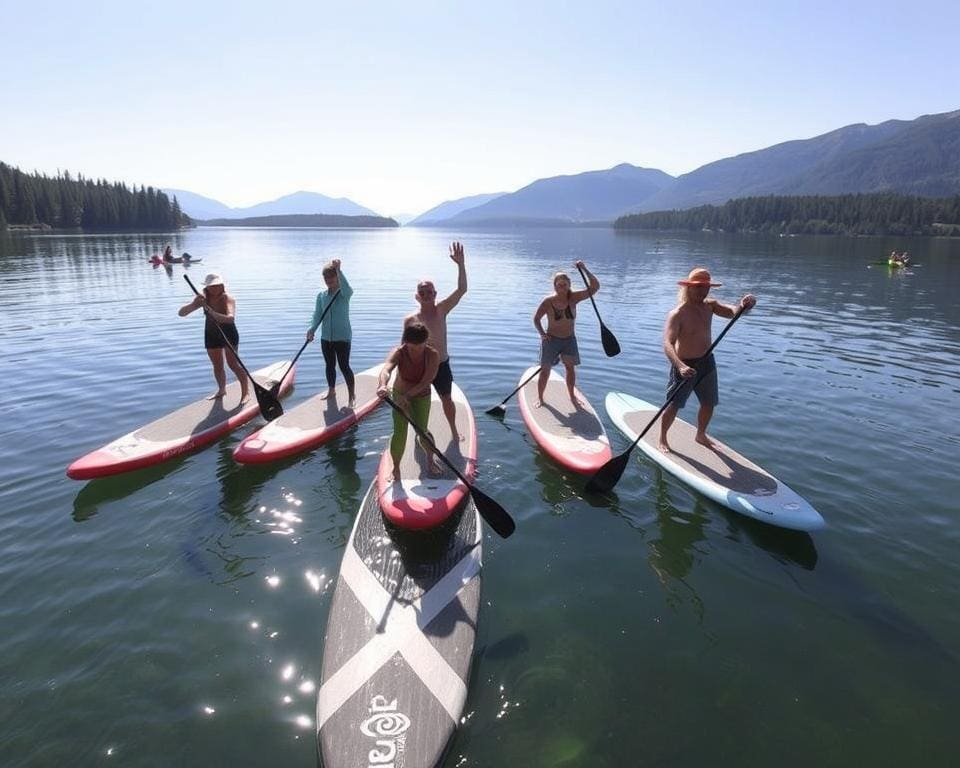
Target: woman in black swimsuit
x,y
220,310
559,341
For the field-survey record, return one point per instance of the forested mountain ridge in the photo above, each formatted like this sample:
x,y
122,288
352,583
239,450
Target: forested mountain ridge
x,y
63,202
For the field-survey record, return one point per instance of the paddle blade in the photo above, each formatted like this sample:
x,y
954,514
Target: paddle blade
x,y
498,410
270,407
496,516
608,475
611,346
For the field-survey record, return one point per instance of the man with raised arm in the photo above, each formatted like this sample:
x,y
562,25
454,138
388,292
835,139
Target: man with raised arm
x,y
433,314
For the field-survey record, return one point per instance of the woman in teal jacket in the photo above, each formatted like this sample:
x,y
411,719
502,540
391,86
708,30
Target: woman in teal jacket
x,y
335,332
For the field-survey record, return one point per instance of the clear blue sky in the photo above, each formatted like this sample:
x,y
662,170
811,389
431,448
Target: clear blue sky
x,y
401,105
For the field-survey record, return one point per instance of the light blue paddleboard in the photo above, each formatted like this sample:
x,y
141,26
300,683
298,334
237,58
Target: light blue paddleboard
x,y
720,474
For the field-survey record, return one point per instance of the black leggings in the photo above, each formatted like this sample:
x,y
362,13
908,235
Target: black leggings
x,y
337,353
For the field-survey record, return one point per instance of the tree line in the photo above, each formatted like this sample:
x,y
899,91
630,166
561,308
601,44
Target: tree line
x,y
868,214
64,202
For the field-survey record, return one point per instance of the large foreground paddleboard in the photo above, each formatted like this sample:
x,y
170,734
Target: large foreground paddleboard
x,y
311,423
186,429
721,474
572,436
399,642
424,498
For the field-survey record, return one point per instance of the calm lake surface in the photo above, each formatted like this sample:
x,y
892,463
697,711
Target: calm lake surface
x,y
175,616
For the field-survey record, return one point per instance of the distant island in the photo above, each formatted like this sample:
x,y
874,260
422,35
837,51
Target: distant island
x,y
877,214
304,220
34,201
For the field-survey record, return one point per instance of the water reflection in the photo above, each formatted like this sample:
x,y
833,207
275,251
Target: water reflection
x,y
95,493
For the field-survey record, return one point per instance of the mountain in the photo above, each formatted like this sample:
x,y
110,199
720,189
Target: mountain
x,y
917,157
197,206
451,208
202,208
590,196
305,220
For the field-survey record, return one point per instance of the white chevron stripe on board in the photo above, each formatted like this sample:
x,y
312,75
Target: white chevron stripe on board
x,y
402,631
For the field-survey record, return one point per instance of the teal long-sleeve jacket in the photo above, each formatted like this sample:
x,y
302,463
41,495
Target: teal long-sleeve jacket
x,y
336,325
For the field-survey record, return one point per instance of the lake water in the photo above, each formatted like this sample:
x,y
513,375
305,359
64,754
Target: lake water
x,y
175,616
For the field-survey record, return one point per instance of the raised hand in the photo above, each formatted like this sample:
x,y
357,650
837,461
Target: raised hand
x,y
456,252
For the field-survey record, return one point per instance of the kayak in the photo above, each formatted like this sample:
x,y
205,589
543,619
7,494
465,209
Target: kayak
x,y
399,641
311,423
720,474
423,498
573,437
191,427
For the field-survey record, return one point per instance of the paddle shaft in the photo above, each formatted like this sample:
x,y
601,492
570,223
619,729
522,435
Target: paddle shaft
x,y
589,293
426,438
297,356
522,385
679,385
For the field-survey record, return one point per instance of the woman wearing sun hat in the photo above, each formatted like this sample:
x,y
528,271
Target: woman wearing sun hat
x,y
220,310
686,337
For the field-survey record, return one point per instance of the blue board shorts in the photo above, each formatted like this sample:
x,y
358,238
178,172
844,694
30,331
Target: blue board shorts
x,y
705,383
552,348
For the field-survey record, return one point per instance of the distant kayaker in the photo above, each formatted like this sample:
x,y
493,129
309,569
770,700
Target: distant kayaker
x,y
686,337
559,340
416,363
168,254
220,310
433,314
336,334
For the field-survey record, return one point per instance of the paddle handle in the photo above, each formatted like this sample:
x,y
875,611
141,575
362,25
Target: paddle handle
x,y
224,335
679,384
429,440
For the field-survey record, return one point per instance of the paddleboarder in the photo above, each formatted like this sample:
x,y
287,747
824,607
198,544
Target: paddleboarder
x,y
416,363
686,337
433,314
336,334
220,309
559,341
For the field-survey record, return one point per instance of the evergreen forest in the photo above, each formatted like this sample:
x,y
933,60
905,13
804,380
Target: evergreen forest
x,y
64,202
866,214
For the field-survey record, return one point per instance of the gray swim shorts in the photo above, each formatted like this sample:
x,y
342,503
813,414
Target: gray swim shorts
x,y
705,383
552,347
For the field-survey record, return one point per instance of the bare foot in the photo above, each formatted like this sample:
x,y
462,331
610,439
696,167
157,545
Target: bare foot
x,y
217,395
351,400
245,398
577,402
538,404
328,393
663,446
433,468
396,474
704,440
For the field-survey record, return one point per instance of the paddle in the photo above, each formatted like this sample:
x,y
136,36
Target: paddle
x,y
609,474
496,516
611,346
270,407
499,410
276,387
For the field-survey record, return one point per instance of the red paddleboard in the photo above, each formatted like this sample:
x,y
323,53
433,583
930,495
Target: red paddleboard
x,y
311,423
573,437
186,429
422,498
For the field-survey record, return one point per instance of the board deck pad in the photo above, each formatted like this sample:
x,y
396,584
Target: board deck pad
x,y
399,641
186,429
572,436
719,473
424,498
312,422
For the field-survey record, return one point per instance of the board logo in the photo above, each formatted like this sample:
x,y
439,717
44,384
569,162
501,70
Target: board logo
x,y
388,727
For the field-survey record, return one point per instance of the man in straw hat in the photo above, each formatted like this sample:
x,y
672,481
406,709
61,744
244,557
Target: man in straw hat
x,y
686,338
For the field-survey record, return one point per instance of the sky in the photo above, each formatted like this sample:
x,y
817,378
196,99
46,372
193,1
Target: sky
x,y
401,106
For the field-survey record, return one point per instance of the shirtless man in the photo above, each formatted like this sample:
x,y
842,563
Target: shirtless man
x,y
433,314
686,337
